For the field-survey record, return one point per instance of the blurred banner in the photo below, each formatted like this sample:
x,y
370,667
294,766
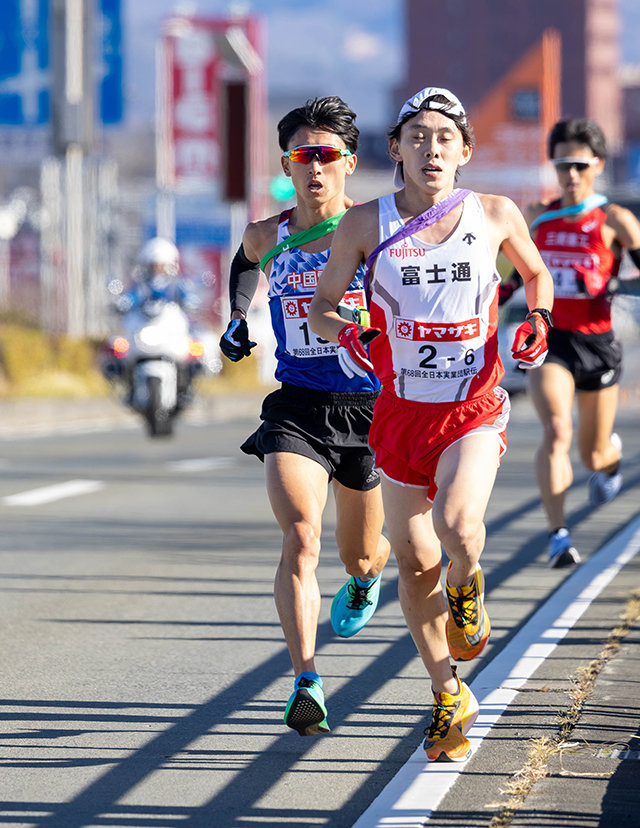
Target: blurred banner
x,y
60,80
211,109
25,63
211,150
194,109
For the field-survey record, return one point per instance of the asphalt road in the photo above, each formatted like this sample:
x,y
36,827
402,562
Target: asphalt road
x,y
144,673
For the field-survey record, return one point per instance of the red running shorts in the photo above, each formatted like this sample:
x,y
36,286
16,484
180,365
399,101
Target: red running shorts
x,y
408,437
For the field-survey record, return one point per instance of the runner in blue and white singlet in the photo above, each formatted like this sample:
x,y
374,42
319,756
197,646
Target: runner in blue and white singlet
x,y
314,428
305,359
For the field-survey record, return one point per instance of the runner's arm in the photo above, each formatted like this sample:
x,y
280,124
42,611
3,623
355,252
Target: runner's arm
x,y
627,230
626,227
518,246
235,342
347,253
244,276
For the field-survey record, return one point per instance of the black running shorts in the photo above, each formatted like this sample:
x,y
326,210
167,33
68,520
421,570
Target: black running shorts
x,y
331,428
594,360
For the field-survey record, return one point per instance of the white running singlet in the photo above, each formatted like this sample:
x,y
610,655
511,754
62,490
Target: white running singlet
x,y
438,306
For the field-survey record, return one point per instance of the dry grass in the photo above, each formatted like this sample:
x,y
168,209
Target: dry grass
x,y
541,751
35,364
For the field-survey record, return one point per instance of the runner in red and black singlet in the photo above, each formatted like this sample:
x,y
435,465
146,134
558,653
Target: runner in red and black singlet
x,y
581,238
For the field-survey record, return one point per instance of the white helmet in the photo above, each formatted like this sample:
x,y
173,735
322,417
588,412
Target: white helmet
x,y
159,252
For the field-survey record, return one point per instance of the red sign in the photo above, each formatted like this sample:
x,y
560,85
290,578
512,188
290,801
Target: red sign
x,y
211,109
193,102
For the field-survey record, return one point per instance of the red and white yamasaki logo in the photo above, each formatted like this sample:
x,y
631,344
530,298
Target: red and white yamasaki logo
x,y
441,332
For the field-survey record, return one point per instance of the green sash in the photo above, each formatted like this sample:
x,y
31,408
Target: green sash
x,y
296,239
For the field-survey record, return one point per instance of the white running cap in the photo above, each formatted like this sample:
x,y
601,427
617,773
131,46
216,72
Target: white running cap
x,y
414,103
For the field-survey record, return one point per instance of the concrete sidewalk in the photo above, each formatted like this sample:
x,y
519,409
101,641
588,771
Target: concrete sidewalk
x,y
22,417
586,700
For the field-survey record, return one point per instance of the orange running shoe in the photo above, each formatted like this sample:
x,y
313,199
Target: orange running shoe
x,y
468,624
451,719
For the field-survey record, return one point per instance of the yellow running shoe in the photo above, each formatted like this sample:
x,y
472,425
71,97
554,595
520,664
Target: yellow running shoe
x,y
451,719
468,624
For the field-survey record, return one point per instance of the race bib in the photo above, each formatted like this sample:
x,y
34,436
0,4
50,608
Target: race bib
x,y
437,351
562,266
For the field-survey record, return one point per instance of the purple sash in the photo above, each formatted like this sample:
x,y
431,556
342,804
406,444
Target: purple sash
x,y
425,219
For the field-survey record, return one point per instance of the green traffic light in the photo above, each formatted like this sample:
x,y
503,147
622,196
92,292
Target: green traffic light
x,y
281,188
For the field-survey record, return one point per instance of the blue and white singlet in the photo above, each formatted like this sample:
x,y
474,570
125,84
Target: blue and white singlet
x,y
305,359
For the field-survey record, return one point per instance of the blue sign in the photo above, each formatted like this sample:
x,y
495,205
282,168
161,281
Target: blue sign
x,y
210,235
110,27
24,62
25,71
633,163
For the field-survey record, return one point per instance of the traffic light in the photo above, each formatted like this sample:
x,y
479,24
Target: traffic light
x,y
281,188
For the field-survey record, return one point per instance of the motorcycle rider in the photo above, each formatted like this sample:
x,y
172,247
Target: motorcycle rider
x,y
157,279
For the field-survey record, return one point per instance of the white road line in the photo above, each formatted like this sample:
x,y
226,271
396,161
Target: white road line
x,y
416,790
197,464
48,494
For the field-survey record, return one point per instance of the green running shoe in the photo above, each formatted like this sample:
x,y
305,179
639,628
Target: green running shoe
x,y
305,710
353,606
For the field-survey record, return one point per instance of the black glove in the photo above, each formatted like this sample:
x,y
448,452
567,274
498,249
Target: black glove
x,y
505,292
235,342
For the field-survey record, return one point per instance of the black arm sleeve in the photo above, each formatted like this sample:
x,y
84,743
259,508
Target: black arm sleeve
x,y
634,255
243,281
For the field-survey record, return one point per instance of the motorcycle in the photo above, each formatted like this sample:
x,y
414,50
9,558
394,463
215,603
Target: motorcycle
x,y
155,359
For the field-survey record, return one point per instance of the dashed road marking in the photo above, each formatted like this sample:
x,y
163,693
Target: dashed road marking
x,y
198,464
49,494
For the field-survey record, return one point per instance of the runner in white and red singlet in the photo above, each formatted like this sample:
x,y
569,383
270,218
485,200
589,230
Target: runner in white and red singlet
x,y
581,238
439,424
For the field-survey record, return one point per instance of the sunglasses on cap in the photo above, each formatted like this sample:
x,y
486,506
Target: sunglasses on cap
x,y
324,154
566,164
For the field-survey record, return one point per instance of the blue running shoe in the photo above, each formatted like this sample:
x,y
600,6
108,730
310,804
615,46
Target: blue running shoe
x,y
604,487
305,711
353,606
561,550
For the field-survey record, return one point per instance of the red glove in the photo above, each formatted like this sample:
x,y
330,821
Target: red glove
x,y
530,342
352,356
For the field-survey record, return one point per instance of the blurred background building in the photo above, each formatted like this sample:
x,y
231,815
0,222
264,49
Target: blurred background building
x,y
481,42
518,67
120,119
